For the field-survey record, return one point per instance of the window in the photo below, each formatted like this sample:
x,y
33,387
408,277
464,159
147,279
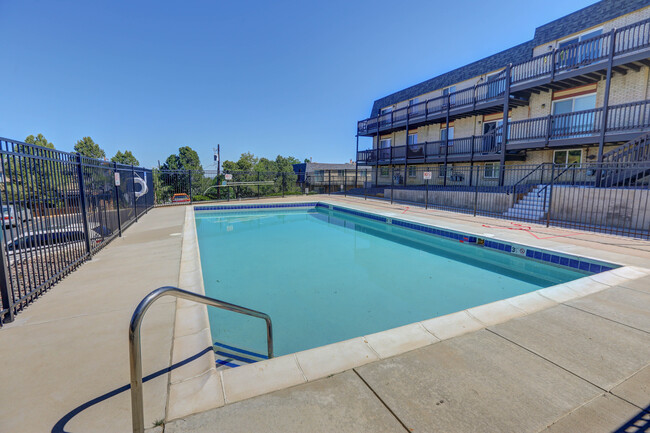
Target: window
x,y
447,91
384,171
441,170
570,55
443,134
341,173
567,124
496,86
386,117
491,170
384,148
413,109
412,139
568,157
412,171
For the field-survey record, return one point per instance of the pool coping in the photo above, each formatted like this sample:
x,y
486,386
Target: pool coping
x,y
199,386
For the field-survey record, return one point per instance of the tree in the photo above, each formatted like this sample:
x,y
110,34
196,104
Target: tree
x,y
87,147
125,158
181,172
39,140
186,159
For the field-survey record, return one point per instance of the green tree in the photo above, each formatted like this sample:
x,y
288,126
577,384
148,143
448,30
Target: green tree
x,y
181,172
185,159
125,158
87,147
39,140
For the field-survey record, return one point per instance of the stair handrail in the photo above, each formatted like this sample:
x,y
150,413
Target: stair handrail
x,y
627,148
556,177
514,187
135,349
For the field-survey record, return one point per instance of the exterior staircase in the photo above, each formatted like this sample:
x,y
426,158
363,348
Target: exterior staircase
x,y
533,206
627,163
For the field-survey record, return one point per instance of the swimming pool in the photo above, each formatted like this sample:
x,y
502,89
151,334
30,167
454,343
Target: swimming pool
x,y
326,274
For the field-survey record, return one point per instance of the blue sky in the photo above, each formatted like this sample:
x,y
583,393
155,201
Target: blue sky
x,y
277,77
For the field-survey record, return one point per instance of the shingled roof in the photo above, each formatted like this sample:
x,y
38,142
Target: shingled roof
x,y
589,16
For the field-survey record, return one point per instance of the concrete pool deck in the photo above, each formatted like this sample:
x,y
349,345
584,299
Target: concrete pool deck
x,y
583,362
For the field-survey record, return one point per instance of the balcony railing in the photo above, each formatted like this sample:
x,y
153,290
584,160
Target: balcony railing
x,y
628,39
588,123
630,117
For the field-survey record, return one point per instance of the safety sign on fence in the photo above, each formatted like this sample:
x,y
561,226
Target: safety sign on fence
x,y
426,175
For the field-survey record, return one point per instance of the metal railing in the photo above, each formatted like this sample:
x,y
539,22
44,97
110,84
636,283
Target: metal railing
x,y
135,349
58,210
609,198
627,40
584,125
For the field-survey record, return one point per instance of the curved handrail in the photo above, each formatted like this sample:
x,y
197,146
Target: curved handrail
x,y
135,350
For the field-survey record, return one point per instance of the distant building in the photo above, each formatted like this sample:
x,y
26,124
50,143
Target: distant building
x,y
578,90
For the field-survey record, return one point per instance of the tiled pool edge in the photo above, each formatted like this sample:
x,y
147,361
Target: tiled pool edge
x,y
544,255
282,372
196,386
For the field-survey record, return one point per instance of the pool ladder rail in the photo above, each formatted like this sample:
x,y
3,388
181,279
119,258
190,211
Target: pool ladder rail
x,y
135,349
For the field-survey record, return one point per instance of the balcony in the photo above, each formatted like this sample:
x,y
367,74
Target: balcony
x,y
624,122
587,59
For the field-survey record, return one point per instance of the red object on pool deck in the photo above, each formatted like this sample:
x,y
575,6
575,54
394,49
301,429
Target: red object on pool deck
x,y
529,229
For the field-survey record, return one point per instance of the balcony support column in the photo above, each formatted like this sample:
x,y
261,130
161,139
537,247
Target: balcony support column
x,y
603,126
444,180
504,130
356,165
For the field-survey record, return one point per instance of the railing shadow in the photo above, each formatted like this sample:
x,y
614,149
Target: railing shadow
x,y
59,427
638,423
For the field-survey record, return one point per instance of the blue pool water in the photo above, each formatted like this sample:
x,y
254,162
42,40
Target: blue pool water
x,y
324,276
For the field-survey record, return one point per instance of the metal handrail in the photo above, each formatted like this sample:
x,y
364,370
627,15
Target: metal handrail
x,y
539,193
135,349
514,187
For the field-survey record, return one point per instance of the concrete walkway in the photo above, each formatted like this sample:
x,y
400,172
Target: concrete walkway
x,y
583,366
70,346
579,366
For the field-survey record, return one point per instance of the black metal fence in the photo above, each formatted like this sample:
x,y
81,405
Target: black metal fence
x,y
607,198
58,209
185,186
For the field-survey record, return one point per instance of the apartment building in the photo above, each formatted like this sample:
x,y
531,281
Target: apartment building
x,y
575,93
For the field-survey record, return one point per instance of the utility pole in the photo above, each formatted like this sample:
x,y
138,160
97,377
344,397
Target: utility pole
x,y
217,158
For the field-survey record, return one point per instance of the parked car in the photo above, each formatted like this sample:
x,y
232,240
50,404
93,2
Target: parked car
x,y
181,198
11,215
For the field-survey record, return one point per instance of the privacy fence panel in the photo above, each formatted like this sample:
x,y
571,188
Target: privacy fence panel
x,y
58,209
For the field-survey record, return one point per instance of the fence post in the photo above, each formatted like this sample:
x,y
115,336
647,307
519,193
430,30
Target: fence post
x,y
392,183
365,180
345,183
258,185
117,199
550,197
189,175
5,285
135,207
82,203
426,194
476,189
282,185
